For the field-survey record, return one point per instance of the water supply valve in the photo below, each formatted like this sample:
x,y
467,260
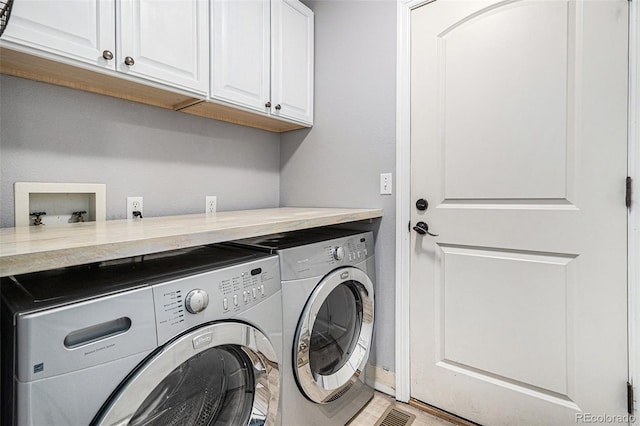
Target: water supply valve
x,y
37,220
78,216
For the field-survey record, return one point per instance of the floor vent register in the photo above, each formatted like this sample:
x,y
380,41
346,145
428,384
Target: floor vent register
x,y
395,417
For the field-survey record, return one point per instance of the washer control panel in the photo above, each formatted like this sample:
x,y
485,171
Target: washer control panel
x,y
214,295
313,259
351,250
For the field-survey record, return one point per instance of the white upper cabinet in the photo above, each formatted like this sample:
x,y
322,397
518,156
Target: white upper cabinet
x,y
253,58
240,50
165,41
82,30
262,56
292,60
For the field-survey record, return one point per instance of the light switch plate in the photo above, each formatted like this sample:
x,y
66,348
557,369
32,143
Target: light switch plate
x,y
386,183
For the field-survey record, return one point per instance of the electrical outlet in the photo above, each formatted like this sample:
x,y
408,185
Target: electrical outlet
x,y
134,204
211,204
386,182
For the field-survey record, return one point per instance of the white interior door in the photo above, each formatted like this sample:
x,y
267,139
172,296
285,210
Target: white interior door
x,y
519,145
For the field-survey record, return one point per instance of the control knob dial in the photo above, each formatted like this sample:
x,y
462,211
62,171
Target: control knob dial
x,y
338,253
196,301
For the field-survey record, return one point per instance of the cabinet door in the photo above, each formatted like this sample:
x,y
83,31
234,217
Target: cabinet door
x,y
292,60
240,52
165,41
77,29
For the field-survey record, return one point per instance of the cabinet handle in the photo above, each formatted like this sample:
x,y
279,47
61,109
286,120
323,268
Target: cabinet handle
x,y
108,55
268,105
129,61
278,107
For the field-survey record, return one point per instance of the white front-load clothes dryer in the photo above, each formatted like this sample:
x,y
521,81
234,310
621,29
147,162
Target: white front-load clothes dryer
x,y
188,337
328,278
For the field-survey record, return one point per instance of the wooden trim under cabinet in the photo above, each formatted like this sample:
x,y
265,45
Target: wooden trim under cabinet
x,y
33,67
25,65
239,116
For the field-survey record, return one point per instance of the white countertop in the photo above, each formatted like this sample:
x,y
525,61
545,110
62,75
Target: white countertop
x,y
38,248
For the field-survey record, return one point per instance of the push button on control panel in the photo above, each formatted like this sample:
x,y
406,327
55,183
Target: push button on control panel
x,y
243,290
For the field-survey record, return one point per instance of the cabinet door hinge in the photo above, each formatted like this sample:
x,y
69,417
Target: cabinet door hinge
x,y
629,398
628,196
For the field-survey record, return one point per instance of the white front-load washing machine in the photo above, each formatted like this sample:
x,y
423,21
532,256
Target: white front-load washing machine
x,y
188,337
328,278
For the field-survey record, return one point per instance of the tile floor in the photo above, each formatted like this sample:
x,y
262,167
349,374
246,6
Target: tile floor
x,y
380,402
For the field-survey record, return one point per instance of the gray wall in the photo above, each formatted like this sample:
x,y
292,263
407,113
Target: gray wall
x,y
54,134
173,160
338,162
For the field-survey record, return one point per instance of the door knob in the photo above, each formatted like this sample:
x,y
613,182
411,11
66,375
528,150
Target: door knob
x,y
422,229
422,204
268,105
108,55
278,107
129,61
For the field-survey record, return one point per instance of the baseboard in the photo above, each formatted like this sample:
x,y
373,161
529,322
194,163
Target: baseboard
x,y
382,380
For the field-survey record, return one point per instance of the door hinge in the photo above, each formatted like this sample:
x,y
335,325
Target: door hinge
x,y
629,398
628,196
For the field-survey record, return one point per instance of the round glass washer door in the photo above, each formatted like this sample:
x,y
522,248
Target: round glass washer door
x,y
334,334
220,374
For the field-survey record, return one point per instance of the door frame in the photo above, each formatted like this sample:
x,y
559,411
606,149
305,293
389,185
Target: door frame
x,y
403,196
